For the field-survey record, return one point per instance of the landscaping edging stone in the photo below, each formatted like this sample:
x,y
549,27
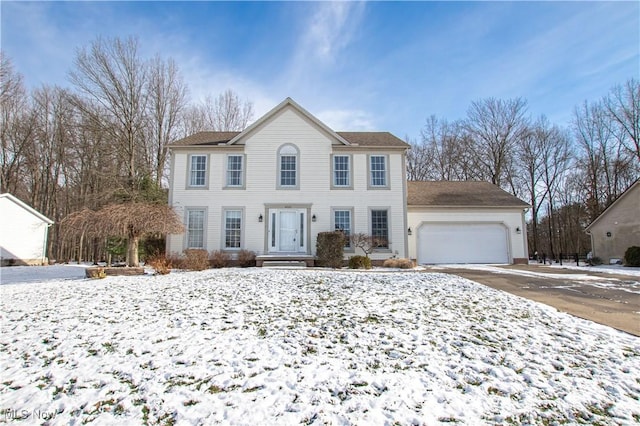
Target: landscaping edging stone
x,y
95,272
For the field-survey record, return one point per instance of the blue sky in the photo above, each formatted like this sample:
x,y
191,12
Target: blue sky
x,y
356,66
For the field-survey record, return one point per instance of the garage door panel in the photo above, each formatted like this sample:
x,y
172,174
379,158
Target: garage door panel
x,y
462,243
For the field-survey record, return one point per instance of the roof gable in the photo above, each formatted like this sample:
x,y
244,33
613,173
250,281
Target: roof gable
x,y
460,194
26,207
633,187
354,139
288,102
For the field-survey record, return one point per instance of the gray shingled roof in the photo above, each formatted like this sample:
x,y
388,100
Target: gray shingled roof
x,y
373,139
206,138
367,139
454,194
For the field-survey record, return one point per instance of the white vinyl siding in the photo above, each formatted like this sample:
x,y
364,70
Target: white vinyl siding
x,y
235,171
195,228
197,171
233,229
378,171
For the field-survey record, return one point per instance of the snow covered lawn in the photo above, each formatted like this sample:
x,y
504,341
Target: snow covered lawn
x,y
306,346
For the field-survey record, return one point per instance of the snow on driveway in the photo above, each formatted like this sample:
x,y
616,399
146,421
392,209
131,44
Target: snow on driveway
x,y
307,346
36,274
632,285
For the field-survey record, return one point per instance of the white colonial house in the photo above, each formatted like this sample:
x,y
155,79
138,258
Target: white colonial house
x,y
274,186
23,233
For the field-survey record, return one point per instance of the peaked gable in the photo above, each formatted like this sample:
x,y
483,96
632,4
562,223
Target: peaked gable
x,y
353,139
288,102
634,187
26,207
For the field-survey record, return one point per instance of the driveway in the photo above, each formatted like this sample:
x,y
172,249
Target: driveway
x,y
609,299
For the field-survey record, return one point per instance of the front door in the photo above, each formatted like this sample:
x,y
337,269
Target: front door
x,y
287,228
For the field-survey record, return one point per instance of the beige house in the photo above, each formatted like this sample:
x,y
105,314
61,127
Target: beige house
x,y
274,186
618,227
465,222
23,233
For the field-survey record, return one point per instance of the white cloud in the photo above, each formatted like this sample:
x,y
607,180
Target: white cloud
x,y
347,119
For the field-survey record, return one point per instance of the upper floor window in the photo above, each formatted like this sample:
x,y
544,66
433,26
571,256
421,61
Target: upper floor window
x,y
288,167
234,170
195,228
197,170
341,171
380,227
378,171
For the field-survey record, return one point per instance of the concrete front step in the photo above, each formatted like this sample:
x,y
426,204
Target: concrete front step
x,y
284,264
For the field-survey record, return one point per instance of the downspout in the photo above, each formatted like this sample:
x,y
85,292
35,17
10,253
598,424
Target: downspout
x,y
44,245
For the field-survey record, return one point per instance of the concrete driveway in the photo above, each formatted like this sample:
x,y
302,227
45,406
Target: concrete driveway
x,y
605,298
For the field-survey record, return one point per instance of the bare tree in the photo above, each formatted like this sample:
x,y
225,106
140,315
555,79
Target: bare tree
x,y
366,243
496,126
111,76
167,100
16,128
224,113
623,106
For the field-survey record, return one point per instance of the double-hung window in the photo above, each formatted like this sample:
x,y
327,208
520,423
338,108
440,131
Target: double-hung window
x,y
195,228
342,222
232,229
288,167
378,171
341,171
234,171
380,227
197,170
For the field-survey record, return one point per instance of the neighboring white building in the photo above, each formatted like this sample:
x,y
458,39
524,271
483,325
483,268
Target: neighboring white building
x,y
23,233
465,222
274,186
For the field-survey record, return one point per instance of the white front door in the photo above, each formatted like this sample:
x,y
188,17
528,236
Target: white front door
x,y
287,228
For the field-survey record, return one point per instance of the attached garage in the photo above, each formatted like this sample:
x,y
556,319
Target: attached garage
x,y
465,222
463,243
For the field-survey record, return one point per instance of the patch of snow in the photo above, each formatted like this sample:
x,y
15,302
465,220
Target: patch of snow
x,y
255,346
36,274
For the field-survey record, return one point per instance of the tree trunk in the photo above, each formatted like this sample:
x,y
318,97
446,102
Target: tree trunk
x,y
132,250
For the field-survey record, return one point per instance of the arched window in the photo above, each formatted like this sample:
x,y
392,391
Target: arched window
x,y
288,156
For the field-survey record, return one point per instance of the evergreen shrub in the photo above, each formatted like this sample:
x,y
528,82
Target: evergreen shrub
x,y
330,249
632,256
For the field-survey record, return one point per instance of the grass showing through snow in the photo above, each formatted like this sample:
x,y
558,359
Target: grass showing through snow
x,y
305,347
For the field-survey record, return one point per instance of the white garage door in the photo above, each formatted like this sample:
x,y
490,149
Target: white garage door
x,y
462,243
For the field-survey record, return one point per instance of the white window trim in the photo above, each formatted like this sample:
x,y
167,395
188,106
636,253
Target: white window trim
x,y
333,172
351,248
204,227
279,177
242,172
386,172
223,233
389,239
207,165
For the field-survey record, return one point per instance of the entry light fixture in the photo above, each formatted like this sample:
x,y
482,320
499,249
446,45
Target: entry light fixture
x,y
260,218
518,230
313,218
409,231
